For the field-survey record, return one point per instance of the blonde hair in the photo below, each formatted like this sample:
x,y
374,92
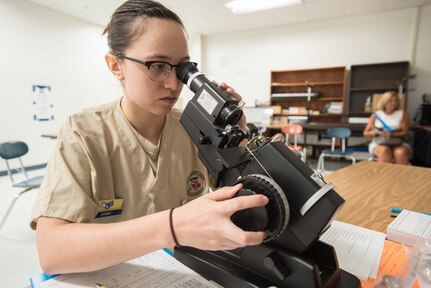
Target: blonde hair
x,y
385,99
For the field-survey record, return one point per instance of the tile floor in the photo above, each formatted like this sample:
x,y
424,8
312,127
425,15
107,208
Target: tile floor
x,y
18,255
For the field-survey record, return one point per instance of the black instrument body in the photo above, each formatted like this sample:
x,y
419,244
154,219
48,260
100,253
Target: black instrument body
x,y
292,256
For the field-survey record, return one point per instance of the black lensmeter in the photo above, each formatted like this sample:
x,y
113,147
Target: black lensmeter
x,y
301,204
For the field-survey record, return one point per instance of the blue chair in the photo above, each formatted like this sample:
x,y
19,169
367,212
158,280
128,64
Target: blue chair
x,y
341,134
14,150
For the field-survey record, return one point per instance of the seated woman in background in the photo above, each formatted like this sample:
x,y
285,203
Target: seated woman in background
x,y
388,127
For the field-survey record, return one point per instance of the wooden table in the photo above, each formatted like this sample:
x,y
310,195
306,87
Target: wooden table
x,y
371,189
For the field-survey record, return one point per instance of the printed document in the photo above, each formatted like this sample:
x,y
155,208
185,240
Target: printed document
x,y
157,269
358,249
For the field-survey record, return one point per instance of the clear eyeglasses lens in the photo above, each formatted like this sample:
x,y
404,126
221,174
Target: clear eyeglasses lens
x,y
159,71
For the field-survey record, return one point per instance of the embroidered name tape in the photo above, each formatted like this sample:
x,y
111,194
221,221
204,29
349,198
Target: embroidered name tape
x,y
109,207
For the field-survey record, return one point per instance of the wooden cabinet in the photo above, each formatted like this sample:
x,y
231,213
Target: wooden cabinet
x,y
289,90
371,79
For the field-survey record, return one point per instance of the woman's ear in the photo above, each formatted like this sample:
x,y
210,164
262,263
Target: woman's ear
x,y
114,65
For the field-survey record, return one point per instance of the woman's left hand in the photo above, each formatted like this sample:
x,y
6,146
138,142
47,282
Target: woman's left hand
x,y
238,97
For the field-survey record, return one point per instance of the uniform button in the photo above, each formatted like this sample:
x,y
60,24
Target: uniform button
x,y
152,196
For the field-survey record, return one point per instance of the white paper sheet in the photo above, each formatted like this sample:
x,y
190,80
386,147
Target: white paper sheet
x,y
358,249
154,270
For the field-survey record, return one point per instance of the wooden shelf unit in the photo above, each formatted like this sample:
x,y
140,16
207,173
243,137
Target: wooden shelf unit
x,y
329,82
369,79
302,84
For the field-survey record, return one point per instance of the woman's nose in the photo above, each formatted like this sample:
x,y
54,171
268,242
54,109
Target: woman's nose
x,y
172,82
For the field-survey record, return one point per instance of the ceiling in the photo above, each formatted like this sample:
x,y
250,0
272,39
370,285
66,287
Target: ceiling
x,y
211,17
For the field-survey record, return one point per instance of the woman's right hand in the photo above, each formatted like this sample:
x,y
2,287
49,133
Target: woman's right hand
x,y
378,133
205,222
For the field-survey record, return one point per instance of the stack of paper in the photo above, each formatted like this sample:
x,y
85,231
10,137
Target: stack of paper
x,y
358,249
335,108
409,227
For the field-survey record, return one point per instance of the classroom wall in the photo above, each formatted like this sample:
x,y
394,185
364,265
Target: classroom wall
x,y
45,47
245,59
422,65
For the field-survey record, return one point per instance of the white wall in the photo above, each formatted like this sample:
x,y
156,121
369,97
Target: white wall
x,y
422,66
245,59
195,47
41,46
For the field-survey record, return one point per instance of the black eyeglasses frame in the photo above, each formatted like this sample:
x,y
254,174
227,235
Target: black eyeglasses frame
x,y
149,63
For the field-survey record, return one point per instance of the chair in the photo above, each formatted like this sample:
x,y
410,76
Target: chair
x,y
12,150
295,130
336,133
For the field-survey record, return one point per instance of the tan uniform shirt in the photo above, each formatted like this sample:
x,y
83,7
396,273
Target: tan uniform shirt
x,y
100,171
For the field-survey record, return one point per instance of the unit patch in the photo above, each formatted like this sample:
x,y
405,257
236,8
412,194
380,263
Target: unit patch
x,y
109,207
195,183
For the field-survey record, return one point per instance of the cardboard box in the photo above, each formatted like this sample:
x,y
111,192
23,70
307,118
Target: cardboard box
x,y
276,109
279,120
297,110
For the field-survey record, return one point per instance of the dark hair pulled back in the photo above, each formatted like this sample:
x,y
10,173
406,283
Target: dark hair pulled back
x,y
127,22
